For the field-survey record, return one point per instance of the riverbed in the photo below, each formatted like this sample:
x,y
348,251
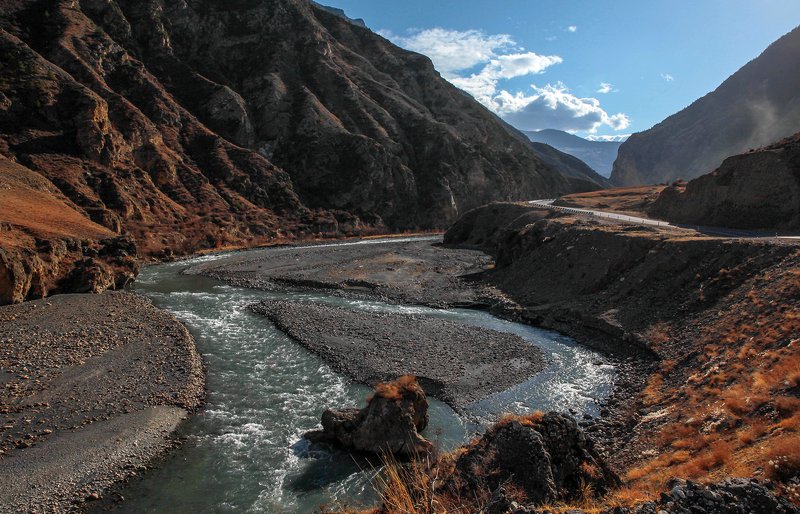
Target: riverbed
x,y
244,452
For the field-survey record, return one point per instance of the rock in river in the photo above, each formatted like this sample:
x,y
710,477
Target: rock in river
x,y
391,421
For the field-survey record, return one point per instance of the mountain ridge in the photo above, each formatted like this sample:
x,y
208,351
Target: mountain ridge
x,y
756,106
598,155
205,124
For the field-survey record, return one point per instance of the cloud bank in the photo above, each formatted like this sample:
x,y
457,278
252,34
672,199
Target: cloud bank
x,y
478,63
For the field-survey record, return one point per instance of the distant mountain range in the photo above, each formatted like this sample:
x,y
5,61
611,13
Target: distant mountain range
x,y
599,155
757,106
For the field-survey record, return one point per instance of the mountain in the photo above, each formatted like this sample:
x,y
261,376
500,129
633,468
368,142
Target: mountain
x,y
756,106
340,13
756,190
571,166
204,123
599,155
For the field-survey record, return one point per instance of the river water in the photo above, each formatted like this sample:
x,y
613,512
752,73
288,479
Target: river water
x,y
244,452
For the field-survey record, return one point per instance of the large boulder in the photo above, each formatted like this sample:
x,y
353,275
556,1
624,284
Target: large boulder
x,y
545,457
391,421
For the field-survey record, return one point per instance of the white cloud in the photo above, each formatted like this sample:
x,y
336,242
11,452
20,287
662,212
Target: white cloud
x,y
458,54
553,106
667,77
572,28
605,88
483,85
617,138
453,50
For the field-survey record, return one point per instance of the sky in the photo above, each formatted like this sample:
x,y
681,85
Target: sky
x,y
597,68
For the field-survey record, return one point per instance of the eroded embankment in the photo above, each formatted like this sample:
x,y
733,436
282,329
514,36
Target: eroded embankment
x,y
93,386
721,316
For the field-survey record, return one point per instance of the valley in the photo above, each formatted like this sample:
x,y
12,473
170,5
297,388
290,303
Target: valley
x,y
278,256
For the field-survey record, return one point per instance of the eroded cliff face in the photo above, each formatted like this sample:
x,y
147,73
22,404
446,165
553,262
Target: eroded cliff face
x,y
358,123
202,124
756,190
756,106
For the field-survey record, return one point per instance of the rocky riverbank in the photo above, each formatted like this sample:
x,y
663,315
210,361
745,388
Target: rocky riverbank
x,y
454,362
719,316
92,388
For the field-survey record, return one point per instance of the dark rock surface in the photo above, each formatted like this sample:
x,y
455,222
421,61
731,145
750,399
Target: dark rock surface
x,y
756,190
732,496
454,362
546,456
391,422
756,106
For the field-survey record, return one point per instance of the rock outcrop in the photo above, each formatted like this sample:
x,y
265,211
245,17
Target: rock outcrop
x,y
546,457
756,190
202,124
391,422
756,106
48,246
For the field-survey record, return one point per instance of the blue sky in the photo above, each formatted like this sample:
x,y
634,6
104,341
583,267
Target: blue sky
x,y
594,67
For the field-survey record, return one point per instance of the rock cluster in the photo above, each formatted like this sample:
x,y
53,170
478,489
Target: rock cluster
x,y
732,496
391,422
544,456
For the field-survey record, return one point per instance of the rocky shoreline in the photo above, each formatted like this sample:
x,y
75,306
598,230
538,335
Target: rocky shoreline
x,y
93,388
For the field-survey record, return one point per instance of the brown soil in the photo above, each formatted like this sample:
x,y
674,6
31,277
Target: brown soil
x,y
633,201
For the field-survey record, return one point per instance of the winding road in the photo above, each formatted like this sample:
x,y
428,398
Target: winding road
x,y
625,218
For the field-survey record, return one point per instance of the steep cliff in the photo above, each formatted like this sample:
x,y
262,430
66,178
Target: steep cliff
x,y
756,190
205,123
756,106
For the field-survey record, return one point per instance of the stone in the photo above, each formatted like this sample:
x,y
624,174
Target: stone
x,y
546,456
391,422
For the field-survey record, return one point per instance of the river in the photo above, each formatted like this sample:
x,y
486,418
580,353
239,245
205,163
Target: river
x,y
244,452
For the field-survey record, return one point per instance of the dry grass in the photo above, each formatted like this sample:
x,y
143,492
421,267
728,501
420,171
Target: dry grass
x,y
735,410
395,390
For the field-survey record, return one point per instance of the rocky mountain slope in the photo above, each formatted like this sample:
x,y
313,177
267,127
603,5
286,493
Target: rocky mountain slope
x,y
756,190
50,246
598,155
756,106
202,124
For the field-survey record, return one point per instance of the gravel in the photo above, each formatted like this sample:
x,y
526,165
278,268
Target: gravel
x,y
454,362
91,388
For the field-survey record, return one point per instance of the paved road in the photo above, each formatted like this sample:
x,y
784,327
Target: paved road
x,y
715,231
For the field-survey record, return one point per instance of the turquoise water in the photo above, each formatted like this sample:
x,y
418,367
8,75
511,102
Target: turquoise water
x,y
244,452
